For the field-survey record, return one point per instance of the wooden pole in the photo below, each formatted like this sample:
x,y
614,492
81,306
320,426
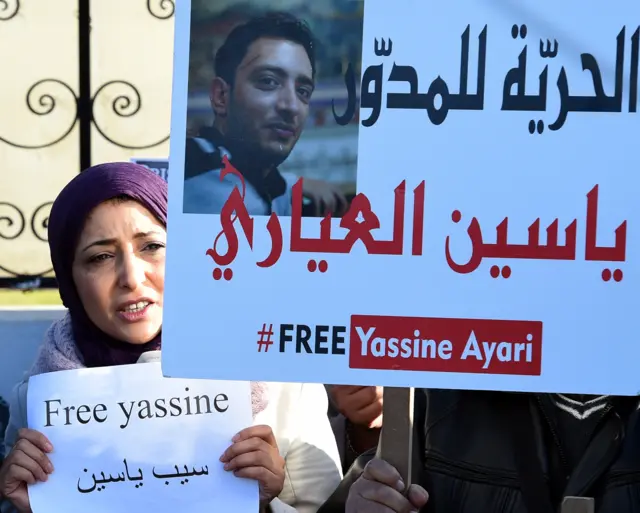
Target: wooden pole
x,y
396,437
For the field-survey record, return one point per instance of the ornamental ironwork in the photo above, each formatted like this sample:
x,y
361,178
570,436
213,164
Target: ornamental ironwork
x,y
42,99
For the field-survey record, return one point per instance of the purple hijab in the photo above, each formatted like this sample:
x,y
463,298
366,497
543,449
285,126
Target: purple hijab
x,y
66,222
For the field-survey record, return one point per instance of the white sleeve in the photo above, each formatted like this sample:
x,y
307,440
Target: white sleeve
x,y
312,464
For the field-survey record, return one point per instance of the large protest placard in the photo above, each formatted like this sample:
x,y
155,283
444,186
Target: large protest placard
x,y
491,244
125,438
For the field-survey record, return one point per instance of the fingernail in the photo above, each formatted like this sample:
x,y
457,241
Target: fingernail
x,y
222,457
226,466
400,485
49,468
235,438
48,447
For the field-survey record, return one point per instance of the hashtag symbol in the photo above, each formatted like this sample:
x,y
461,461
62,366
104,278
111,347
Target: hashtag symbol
x,y
265,338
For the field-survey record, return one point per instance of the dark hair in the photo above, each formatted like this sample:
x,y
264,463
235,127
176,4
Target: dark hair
x,y
275,25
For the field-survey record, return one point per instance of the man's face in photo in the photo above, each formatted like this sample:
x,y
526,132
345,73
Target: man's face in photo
x,y
269,101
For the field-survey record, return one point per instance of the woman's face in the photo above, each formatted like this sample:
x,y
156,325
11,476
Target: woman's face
x,y
118,270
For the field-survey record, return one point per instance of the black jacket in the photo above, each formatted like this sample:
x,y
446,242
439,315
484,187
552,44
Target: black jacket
x,y
494,452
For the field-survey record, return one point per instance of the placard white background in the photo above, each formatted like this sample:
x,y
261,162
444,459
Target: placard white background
x,y
487,165
191,440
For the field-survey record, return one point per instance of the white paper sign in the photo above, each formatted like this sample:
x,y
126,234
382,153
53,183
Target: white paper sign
x,y
495,239
128,440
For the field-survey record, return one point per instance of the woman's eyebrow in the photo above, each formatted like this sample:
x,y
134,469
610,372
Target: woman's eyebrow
x,y
110,242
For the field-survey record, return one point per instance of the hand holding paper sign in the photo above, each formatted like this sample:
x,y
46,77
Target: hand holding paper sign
x,y
27,463
126,437
254,455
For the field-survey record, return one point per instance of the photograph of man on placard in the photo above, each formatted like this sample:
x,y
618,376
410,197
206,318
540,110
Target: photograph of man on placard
x,y
272,84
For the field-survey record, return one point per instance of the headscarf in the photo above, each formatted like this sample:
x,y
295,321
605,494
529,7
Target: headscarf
x,y
69,213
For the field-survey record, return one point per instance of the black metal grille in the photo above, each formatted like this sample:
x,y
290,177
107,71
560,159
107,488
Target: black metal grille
x,y
41,100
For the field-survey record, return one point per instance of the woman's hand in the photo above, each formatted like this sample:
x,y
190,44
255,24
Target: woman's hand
x,y
27,463
380,490
254,455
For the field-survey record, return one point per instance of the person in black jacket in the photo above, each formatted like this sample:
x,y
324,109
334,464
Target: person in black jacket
x,y
498,452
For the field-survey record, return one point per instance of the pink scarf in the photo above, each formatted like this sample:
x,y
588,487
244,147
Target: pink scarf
x,y
59,352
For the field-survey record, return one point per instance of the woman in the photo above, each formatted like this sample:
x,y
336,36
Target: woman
x,y
107,237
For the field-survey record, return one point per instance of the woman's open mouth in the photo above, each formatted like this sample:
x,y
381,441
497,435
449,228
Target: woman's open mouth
x,y
134,312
